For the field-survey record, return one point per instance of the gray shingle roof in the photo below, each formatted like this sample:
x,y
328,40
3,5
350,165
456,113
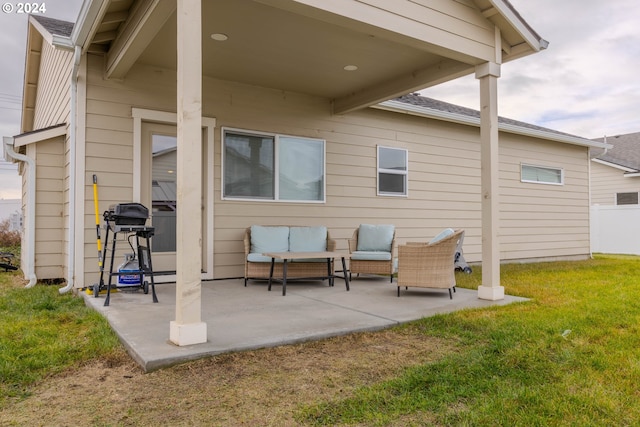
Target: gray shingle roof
x,y
625,151
423,101
55,26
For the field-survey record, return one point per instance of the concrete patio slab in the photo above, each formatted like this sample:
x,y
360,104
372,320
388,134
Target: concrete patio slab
x,y
243,318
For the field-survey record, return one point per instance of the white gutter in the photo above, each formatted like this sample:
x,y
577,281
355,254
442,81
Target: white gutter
x,y
29,265
417,110
72,172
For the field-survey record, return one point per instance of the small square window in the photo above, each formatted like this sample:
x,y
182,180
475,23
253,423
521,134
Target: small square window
x,y
392,171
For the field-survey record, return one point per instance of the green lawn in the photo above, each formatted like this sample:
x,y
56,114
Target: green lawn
x,y
570,356
43,332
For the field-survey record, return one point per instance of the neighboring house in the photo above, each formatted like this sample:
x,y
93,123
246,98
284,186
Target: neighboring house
x,y
287,112
615,172
10,211
615,187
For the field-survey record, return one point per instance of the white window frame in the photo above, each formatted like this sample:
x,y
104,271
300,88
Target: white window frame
x,y
551,168
276,140
380,170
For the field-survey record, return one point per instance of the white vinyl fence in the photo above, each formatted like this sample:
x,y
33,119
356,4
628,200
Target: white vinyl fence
x,y
615,229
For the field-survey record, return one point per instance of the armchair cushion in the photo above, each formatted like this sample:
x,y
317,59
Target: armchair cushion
x,y
308,239
442,235
371,255
375,237
269,239
258,257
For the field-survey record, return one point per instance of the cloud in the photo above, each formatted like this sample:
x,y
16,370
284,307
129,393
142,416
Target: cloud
x,y
585,83
13,39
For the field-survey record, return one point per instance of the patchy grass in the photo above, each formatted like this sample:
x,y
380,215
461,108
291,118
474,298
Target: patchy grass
x,y
43,333
569,356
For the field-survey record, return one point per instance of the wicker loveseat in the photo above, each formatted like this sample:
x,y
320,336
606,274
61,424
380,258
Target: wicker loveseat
x,y
260,239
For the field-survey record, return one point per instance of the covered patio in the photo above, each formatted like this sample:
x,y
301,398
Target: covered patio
x,y
245,318
307,68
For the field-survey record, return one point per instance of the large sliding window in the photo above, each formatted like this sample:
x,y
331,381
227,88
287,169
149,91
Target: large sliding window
x,y
258,166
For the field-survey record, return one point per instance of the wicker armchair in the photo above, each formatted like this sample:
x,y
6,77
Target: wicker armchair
x,y
372,260
429,265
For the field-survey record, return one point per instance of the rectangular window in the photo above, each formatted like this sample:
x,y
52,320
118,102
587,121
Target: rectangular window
x,y
541,174
626,198
393,171
272,167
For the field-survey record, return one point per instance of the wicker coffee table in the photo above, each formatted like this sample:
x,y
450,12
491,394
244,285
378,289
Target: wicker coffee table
x,y
290,256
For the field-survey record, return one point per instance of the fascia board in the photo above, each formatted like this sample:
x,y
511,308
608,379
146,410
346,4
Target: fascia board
x,y
54,40
39,135
537,44
91,14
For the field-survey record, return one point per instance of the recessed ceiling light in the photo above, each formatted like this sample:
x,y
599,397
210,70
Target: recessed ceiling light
x,y
350,67
219,37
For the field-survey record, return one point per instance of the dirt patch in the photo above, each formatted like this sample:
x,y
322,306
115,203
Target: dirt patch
x,y
262,387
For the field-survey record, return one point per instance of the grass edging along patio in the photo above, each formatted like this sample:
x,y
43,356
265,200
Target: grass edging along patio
x,y
567,357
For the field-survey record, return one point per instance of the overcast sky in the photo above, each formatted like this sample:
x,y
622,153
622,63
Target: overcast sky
x,y
586,83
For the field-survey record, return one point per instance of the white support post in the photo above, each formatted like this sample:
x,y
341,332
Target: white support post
x,y
188,328
488,74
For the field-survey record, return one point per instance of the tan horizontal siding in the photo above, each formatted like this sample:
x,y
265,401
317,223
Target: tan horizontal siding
x,y
541,220
53,96
455,25
537,221
606,181
50,209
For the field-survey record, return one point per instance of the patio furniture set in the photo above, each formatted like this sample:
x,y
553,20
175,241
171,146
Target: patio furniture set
x,y
283,252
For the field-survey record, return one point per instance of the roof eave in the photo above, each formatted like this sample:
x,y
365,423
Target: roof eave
x,y
89,17
401,107
534,40
55,40
616,166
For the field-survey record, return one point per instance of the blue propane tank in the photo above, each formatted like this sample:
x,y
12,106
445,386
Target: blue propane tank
x,y
130,265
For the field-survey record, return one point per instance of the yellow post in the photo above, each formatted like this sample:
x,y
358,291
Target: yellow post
x,y
97,211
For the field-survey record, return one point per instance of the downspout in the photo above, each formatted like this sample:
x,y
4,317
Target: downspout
x,y
72,172
30,274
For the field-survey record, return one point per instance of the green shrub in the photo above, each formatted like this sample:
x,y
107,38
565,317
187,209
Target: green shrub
x,y
8,237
